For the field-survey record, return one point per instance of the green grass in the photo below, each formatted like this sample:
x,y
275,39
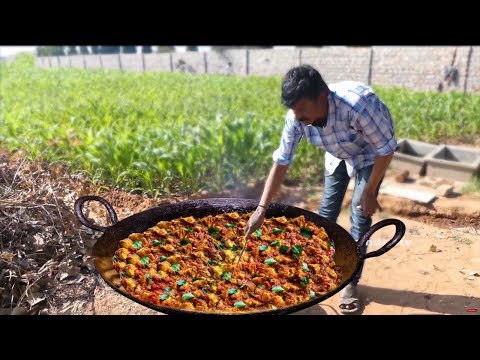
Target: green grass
x,y
473,186
432,116
166,133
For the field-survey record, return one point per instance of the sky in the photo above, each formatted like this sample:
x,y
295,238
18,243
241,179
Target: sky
x,y
6,51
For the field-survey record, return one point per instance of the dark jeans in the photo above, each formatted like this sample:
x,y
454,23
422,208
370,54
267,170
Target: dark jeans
x,y
331,204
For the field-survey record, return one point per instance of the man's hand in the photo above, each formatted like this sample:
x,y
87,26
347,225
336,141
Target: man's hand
x,y
368,204
255,221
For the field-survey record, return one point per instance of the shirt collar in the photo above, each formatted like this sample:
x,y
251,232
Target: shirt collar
x,y
332,109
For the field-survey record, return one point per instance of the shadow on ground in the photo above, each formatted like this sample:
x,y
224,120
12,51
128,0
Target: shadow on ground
x,y
426,302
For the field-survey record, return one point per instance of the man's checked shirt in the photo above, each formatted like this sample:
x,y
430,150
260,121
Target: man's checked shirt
x,y
359,127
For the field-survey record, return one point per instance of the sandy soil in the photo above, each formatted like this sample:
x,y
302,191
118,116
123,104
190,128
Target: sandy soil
x,y
434,269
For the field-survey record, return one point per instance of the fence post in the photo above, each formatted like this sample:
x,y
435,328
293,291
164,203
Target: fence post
x,y
171,62
247,62
101,62
69,61
467,68
84,62
299,56
205,62
120,62
143,61
369,76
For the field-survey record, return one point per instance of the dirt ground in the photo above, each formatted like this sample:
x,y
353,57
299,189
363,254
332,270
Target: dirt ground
x,y
434,269
45,267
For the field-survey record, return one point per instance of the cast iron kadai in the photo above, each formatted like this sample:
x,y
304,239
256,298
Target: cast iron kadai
x,y
347,254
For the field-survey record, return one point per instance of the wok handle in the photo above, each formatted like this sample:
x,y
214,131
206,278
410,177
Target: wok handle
x,y
79,211
399,232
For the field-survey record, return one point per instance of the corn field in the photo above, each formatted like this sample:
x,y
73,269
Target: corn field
x,y
164,133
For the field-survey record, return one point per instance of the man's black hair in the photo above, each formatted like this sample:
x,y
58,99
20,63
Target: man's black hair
x,y
300,82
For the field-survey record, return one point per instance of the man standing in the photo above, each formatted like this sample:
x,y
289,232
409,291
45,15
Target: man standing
x,y
355,129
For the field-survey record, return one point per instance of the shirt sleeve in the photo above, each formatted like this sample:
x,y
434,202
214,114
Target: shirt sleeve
x,y
291,136
376,121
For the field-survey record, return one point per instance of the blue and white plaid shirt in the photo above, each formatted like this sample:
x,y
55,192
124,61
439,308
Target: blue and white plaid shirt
x,y
359,127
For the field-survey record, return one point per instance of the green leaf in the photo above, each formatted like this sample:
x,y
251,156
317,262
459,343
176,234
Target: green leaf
x,y
231,225
145,260
163,258
181,282
297,250
275,243
242,286
270,261
227,276
137,244
239,304
164,297
148,276
176,267
305,267
277,289
263,247
232,291
184,241
187,230
306,232
234,247
188,296
261,286
123,275
158,242
214,232
116,259
304,281
258,233
283,249
168,289
278,230
222,246
312,294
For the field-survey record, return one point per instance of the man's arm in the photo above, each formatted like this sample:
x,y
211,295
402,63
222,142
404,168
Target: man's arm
x,y
368,201
275,178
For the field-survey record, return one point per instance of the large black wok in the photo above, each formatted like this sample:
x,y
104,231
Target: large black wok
x,y
347,254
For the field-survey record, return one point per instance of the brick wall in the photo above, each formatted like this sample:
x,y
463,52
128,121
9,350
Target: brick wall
x,y
473,81
414,67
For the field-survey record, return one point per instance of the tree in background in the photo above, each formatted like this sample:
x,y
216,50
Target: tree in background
x,y
95,49
109,49
50,51
192,48
147,49
58,50
40,51
71,50
165,49
84,50
129,49
221,49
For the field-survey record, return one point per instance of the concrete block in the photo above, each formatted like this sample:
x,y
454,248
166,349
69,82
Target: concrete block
x,y
410,155
444,190
453,162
